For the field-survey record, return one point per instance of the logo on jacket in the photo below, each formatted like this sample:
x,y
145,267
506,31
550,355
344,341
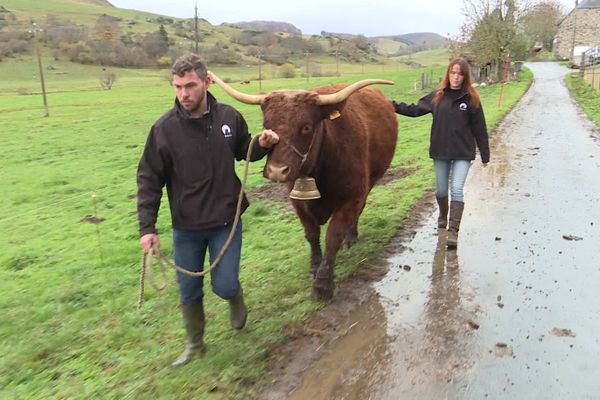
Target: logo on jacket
x,y
462,106
226,131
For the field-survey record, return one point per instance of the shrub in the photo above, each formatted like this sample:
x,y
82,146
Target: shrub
x,y
287,71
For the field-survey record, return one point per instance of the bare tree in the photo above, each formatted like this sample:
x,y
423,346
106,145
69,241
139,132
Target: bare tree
x,y
492,28
540,22
107,79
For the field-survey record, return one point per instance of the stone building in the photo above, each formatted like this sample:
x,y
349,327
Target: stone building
x,y
578,31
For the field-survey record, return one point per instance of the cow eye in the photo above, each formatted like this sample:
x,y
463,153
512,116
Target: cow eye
x,y
306,129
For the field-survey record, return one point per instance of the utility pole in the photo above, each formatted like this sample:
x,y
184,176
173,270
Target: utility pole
x,y
259,56
337,63
33,31
196,27
307,55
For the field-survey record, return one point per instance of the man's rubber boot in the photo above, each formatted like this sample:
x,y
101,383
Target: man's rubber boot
x,y
193,320
456,212
237,310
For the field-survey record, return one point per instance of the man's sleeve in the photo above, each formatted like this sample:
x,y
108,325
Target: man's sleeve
x,y
150,181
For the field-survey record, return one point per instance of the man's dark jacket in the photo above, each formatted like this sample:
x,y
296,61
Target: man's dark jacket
x,y
456,126
194,158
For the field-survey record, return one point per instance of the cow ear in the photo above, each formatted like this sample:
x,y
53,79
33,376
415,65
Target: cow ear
x,y
332,111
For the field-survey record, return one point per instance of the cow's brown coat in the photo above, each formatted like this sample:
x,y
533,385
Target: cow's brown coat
x,y
349,153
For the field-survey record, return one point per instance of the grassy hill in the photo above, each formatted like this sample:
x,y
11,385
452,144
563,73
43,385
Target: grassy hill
x,y
105,29
83,12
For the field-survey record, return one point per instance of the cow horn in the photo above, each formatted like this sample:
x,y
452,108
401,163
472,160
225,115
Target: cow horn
x,y
338,97
239,96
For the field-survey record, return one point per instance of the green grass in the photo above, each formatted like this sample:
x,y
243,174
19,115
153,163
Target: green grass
x,y
68,323
588,98
428,57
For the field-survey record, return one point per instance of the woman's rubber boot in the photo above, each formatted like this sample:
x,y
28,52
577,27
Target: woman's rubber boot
x,y
443,217
237,311
456,211
193,320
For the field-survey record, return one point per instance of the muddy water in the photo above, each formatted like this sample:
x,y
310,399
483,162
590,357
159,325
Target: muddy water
x,y
515,312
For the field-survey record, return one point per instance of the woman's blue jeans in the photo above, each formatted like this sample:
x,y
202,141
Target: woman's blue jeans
x,y
453,174
189,251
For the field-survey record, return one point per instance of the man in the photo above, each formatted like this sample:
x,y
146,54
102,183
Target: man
x,y
191,149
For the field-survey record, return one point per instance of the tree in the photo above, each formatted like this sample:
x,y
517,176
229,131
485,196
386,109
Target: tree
x,y
164,36
154,45
491,29
107,79
287,71
540,23
107,28
362,43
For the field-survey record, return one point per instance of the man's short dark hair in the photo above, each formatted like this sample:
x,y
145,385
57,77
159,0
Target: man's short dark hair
x,y
189,62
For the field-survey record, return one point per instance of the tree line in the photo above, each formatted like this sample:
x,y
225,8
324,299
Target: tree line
x,y
107,44
494,28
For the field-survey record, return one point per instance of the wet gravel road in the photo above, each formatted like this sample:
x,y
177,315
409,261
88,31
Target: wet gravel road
x,y
515,312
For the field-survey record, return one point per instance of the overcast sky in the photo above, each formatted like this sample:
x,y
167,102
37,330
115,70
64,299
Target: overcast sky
x,y
367,17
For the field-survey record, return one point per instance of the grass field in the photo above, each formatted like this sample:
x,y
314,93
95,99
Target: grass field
x,y
69,327
427,58
588,98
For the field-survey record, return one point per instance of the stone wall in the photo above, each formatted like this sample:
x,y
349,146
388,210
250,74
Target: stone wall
x,y
584,23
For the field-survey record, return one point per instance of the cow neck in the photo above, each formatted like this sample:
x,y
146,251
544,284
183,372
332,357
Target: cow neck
x,y
313,155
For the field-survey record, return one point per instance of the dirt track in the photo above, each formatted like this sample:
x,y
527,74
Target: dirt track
x,y
513,314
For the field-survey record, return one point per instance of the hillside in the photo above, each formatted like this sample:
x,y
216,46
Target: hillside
x,y
95,32
415,42
267,26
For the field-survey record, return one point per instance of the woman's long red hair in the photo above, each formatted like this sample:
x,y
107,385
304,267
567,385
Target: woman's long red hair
x,y
467,84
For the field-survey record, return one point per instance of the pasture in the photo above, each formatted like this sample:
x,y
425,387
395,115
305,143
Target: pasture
x,y
69,327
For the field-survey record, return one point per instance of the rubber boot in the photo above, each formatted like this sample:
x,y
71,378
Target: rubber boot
x,y
443,206
237,310
193,320
456,211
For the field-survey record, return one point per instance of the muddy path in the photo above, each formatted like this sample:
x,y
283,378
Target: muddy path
x,y
514,313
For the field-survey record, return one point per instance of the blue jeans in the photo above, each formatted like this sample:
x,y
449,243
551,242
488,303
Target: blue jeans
x,y
189,251
451,173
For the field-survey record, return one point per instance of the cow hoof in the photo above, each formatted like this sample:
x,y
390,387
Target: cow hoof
x,y
349,241
322,294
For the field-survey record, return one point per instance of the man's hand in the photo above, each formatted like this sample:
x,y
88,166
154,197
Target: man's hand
x,y
148,241
267,139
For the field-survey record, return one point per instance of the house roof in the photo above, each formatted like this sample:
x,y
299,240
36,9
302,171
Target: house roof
x,y
589,4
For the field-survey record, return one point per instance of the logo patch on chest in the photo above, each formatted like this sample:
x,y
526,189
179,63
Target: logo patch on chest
x,y
226,131
462,106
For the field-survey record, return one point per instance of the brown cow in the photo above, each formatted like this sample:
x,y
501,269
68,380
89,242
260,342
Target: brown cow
x,y
344,137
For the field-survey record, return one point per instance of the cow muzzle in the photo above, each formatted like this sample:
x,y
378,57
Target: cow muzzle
x,y
276,173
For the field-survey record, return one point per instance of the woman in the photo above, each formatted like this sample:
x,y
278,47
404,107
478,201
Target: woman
x,y
458,125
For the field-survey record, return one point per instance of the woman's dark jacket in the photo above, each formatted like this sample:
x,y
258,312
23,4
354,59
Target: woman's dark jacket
x,y
194,158
456,126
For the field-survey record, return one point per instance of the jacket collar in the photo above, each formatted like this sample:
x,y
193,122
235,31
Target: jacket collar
x,y
462,94
211,100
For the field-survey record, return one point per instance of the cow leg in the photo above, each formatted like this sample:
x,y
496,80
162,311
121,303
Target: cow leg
x,y
312,232
341,222
313,235
351,237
